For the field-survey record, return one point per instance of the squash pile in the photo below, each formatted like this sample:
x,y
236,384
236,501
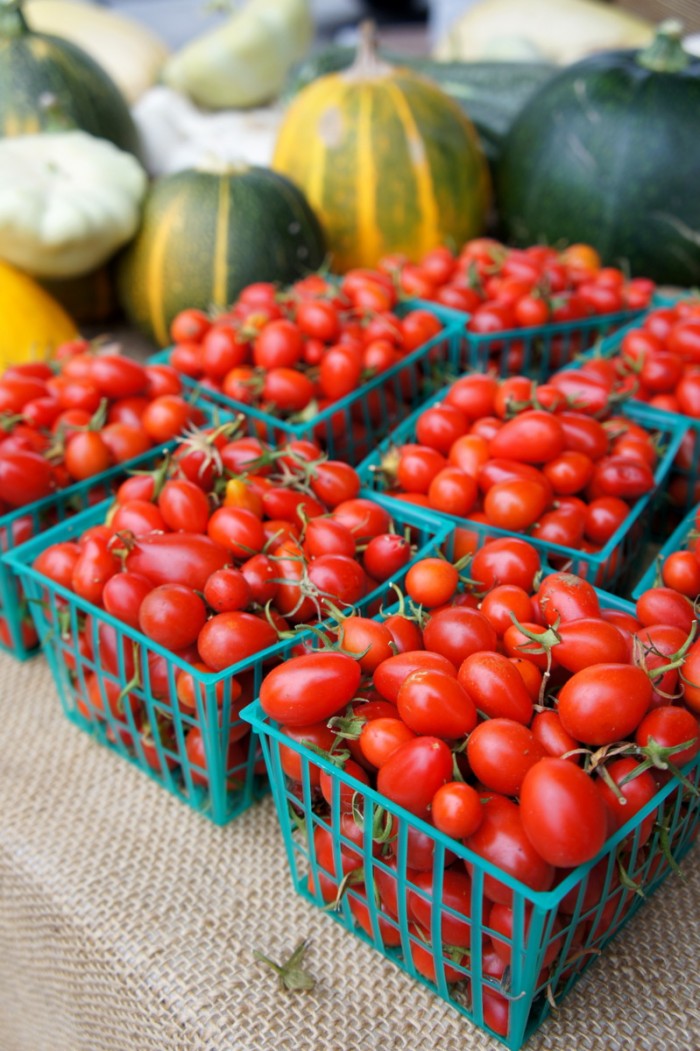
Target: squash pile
x,y
151,209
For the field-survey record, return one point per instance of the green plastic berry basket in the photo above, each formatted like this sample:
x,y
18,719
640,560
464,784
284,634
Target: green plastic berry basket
x,y
679,540
681,492
556,934
17,634
607,568
350,427
122,688
537,351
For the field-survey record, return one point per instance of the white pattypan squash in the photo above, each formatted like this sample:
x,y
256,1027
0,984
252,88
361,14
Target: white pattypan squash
x,y
68,201
176,135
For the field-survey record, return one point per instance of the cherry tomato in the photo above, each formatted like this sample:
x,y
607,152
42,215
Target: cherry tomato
x,y
505,561
500,752
172,615
434,703
604,703
501,840
412,775
431,582
309,688
563,815
456,809
228,638
634,794
496,687
457,632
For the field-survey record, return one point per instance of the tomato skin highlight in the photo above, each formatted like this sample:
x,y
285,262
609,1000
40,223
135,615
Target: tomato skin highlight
x,y
496,687
563,815
310,688
435,703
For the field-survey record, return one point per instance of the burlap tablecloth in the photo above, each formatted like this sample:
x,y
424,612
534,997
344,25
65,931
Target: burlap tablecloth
x,y
127,923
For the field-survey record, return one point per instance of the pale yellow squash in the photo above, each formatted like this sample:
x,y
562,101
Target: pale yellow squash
x,y
245,61
560,31
131,54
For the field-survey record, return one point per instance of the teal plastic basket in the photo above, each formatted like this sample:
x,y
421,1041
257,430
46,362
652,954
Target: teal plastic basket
x,y
350,427
681,492
678,541
608,568
539,350
33,519
122,660
566,927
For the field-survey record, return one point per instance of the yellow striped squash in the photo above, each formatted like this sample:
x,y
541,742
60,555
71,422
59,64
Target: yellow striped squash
x,y
205,235
388,162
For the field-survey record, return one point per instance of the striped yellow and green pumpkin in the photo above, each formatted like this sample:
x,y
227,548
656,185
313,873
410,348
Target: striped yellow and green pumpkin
x,y
206,235
388,162
47,84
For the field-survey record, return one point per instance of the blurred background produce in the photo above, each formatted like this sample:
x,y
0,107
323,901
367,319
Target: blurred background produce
x,y
184,85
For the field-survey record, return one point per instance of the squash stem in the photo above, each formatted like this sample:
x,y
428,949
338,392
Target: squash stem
x,y
12,21
367,64
666,54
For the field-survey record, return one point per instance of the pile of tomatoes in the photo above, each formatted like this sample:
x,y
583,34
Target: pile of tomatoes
x,y
297,352
215,556
72,419
520,718
527,458
659,361
509,288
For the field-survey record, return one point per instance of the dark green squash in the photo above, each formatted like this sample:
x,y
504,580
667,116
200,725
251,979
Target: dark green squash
x,y
609,153
205,235
48,84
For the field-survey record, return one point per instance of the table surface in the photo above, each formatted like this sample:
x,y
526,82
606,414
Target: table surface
x,y
127,921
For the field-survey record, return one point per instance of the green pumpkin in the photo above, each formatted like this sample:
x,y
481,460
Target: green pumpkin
x,y
206,235
49,84
608,152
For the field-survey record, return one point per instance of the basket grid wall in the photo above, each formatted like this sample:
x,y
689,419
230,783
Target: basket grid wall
x,y
540,349
526,988
122,664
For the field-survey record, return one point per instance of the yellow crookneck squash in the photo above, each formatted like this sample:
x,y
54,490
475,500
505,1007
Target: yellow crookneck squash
x,y
32,324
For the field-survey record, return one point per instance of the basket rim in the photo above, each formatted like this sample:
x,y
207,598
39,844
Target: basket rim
x,y
545,901
20,559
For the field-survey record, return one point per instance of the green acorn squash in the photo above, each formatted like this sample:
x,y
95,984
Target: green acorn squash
x,y
608,152
207,234
47,84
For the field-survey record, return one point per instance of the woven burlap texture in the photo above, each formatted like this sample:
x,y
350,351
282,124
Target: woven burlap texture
x,y
127,923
